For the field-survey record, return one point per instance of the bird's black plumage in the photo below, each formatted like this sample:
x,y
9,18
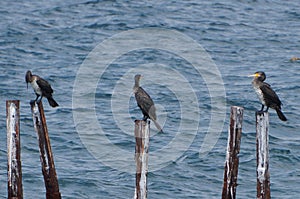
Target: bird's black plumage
x,y
41,88
145,102
266,94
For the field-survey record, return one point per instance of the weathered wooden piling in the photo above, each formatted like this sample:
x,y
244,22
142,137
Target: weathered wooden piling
x,y
262,155
46,156
233,149
14,168
142,135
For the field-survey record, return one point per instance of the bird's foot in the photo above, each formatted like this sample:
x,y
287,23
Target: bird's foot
x,y
32,102
262,109
260,112
145,118
39,100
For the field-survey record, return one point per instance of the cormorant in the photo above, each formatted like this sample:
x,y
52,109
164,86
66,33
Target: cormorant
x,y
266,94
145,102
41,88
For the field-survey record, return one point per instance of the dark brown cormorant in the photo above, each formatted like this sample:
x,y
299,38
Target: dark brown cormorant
x,y
145,102
266,94
41,88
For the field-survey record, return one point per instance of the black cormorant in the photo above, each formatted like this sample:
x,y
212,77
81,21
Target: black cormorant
x,y
145,102
41,88
266,94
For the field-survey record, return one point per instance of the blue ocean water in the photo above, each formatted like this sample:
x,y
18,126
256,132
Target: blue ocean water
x,y
55,38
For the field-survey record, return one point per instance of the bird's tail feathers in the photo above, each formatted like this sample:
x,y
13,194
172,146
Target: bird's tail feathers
x,y
52,102
158,126
280,114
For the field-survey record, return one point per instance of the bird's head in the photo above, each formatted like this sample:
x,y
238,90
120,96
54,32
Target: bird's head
x,y
137,78
28,77
260,75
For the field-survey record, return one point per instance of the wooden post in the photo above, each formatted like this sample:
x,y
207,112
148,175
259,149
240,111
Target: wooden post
x,y
14,168
233,149
262,155
46,156
142,135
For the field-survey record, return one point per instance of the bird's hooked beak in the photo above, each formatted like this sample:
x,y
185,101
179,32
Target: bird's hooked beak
x,y
141,77
27,77
254,75
27,82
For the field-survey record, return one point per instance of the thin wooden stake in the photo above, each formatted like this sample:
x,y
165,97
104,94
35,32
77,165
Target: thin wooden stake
x,y
262,155
14,167
46,156
142,135
233,149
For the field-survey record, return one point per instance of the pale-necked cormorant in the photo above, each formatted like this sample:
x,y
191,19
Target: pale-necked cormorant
x,y
145,102
41,88
266,94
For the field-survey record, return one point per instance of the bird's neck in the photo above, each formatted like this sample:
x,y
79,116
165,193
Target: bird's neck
x,y
34,78
256,82
135,89
136,86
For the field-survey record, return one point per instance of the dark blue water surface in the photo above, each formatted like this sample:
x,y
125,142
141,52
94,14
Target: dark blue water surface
x,y
53,38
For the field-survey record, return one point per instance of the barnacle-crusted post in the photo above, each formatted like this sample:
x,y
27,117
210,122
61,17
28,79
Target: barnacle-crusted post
x,y
46,156
142,135
14,168
262,155
233,149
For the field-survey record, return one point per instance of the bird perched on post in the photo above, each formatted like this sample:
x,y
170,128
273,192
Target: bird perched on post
x,y
266,94
41,88
145,102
